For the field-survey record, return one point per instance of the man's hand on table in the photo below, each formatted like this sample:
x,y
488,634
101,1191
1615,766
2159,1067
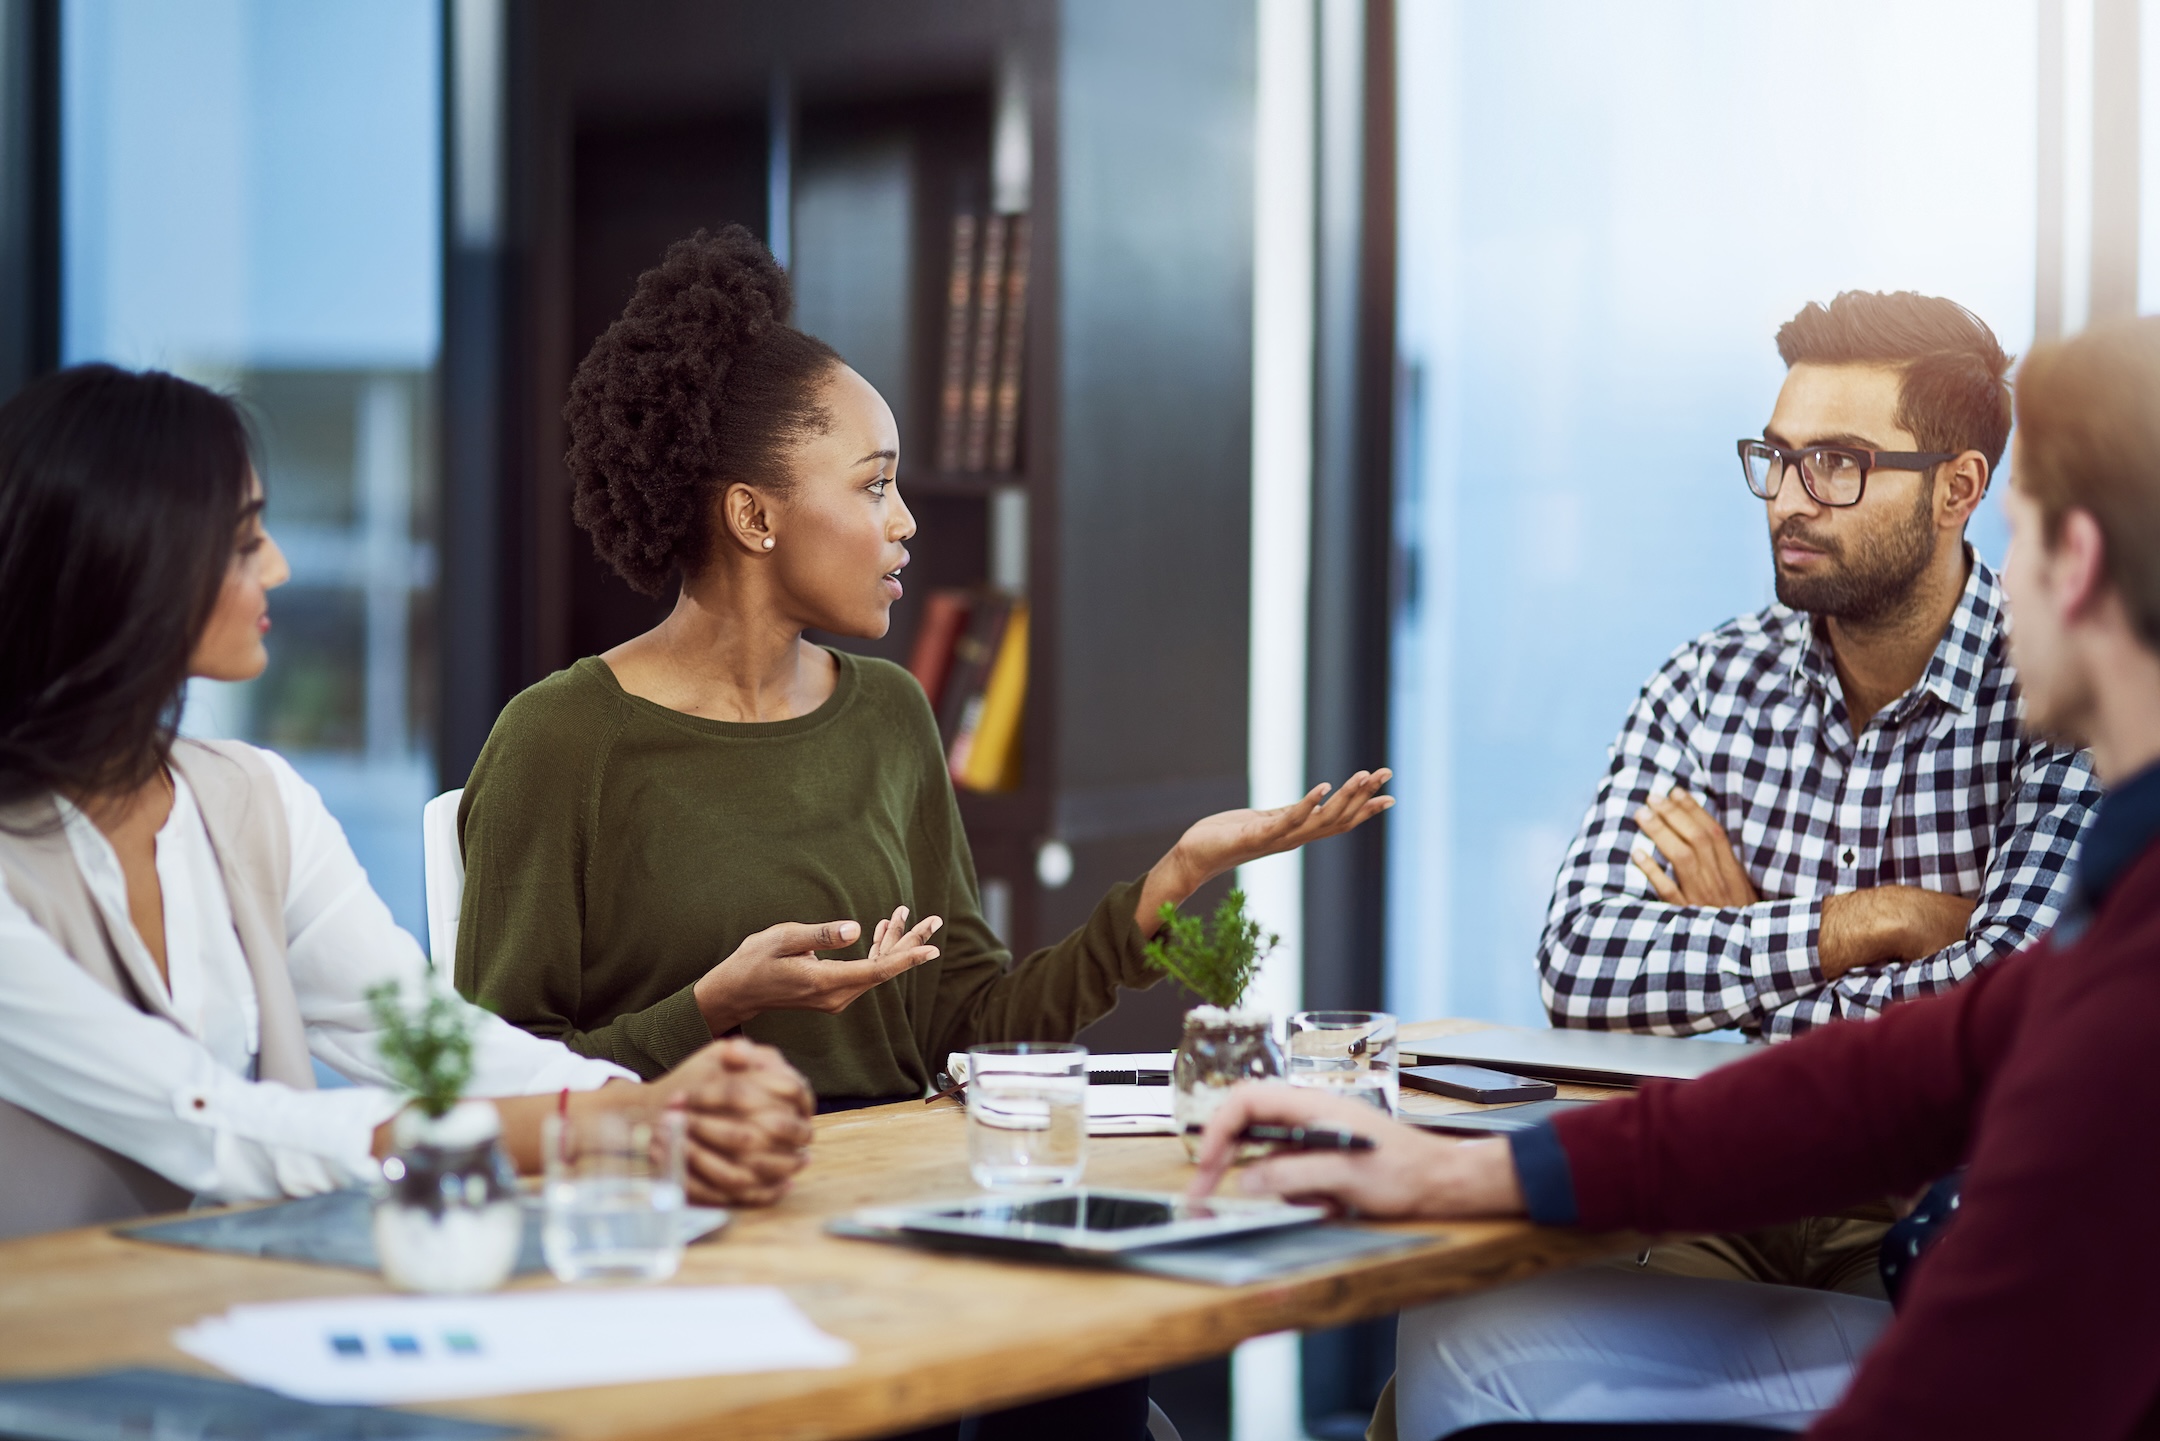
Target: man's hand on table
x,y
1882,925
748,1123
1407,1174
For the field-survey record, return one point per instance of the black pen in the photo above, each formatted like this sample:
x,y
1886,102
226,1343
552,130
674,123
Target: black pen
x,y
1300,1138
1128,1078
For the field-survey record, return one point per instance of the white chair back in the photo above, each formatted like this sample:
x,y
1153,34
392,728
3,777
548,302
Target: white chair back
x,y
443,860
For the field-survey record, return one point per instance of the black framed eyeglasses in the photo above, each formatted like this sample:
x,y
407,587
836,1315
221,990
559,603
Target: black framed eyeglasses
x,y
1834,475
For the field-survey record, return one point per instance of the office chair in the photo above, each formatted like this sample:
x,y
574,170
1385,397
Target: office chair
x,y
443,864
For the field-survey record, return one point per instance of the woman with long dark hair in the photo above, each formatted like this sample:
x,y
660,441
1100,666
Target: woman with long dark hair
x,y
183,928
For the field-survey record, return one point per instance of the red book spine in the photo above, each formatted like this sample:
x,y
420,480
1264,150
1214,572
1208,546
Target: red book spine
x,y
944,613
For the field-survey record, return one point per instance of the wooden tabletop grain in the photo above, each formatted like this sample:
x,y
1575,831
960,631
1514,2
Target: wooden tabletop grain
x,y
935,1335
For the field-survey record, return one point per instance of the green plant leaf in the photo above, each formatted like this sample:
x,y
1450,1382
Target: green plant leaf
x,y
426,1048
1215,960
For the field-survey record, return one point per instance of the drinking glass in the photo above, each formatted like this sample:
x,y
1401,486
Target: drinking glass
x,y
614,1195
1027,1114
1349,1052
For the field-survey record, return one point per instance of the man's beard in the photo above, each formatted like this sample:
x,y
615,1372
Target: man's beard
x,y
1875,580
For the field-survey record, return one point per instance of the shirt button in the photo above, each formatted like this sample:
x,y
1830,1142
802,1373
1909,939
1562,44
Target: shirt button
x,y
200,1104
1848,857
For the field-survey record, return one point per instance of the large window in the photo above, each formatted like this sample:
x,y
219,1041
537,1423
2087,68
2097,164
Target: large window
x,y
1607,210
250,197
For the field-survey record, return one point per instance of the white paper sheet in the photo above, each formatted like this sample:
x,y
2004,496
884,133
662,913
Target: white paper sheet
x,y
1115,1110
390,1350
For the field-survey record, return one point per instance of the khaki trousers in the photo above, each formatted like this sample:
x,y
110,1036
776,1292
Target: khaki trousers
x,y
1822,1253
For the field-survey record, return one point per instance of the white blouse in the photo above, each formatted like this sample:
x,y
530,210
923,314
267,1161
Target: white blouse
x,y
181,1101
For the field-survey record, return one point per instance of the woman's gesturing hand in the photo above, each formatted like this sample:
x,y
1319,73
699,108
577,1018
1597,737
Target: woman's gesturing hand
x,y
748,1122
1407,1173
1228,839
778,969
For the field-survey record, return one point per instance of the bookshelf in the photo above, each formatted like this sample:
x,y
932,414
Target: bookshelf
x,y
850,132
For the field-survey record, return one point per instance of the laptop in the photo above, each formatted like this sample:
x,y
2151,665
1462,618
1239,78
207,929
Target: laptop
x,y
1592,1058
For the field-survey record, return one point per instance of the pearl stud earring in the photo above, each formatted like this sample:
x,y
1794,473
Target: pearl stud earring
x,y
768,542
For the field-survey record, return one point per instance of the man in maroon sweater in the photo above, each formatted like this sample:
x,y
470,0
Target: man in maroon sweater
x,y
2037,1314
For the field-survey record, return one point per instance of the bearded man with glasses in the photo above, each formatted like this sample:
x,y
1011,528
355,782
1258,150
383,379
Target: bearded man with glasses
x,y
1829,806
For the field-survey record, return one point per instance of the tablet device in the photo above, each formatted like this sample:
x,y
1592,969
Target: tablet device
x,y
1497,1122
1088,1222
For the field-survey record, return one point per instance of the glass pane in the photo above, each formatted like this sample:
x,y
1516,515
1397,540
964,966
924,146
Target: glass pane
x,y
251,199
1580,278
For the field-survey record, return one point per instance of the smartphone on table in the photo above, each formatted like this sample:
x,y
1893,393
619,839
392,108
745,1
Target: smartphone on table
x,y
1475,1083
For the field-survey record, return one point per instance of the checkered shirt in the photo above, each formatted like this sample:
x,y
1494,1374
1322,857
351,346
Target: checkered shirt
x,y
1939,791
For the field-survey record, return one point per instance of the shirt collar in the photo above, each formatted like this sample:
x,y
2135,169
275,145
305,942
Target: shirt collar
x,y
1954,671
2123,827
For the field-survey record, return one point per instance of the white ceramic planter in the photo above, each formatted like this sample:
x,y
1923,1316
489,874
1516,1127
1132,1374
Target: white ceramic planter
x,y
449,1219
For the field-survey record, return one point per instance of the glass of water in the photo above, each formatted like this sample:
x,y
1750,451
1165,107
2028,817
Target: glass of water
x,y
1351,1052
1027,1114
614,1195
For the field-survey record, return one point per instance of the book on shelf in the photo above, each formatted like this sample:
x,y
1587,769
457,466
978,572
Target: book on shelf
x,y
975,648
945,612
1012,347
982,361
982,370
959,303
985,755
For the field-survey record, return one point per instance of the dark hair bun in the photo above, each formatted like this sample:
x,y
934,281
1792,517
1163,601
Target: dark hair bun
x,y
700,383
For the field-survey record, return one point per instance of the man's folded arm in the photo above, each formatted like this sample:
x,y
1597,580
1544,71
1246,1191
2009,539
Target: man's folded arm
x,y
1615,957
2026,886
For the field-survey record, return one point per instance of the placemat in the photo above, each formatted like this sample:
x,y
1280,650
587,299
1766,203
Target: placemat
x,y
149,1405
335,1230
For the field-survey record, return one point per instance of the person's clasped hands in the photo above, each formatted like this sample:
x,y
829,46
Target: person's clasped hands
x,y
747,1122
1406,1174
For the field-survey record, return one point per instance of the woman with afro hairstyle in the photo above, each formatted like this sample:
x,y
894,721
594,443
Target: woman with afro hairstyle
x,y
720,826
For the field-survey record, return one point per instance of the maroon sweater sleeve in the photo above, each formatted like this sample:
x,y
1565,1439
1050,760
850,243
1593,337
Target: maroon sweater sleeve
x,y
2038,1313
1842,1115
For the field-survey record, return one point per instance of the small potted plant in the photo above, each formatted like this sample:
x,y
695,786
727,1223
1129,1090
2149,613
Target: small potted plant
x,y
447,1218
1224,1043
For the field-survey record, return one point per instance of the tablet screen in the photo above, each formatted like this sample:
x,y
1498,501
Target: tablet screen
x,y
1075,1213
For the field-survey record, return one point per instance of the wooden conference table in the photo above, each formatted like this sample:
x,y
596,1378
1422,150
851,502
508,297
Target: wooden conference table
x,y
935,1335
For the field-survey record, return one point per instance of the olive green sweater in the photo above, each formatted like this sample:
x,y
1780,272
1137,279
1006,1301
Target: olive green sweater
x,y
616,850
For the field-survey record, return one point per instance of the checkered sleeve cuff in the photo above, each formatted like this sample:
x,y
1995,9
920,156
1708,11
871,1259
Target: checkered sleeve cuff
x,y
1781,960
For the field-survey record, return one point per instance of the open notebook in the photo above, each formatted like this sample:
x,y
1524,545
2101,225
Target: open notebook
x,y
1139,1107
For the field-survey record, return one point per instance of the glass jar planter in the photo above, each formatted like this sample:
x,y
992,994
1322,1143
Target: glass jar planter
x,y
447,1217
1220,1048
